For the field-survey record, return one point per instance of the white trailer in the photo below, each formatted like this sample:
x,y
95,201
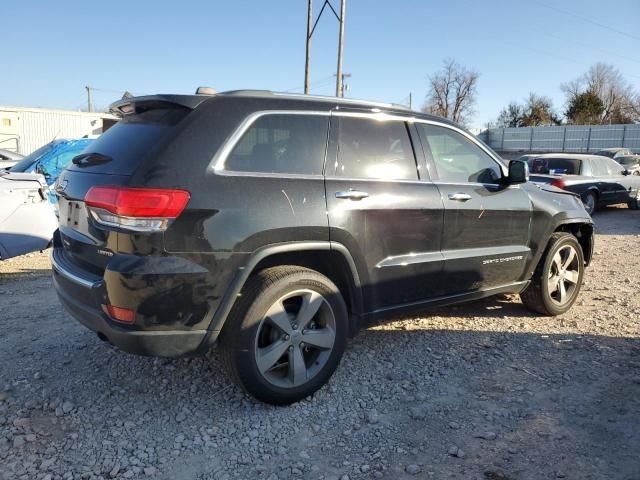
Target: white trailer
x,y
24,129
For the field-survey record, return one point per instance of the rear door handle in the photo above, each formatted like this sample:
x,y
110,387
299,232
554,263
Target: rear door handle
x,y
459,196
352,194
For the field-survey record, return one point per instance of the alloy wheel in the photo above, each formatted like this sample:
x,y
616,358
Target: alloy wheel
x,y
295,338
564,275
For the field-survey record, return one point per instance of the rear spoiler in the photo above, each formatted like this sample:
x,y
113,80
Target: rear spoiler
x,y
128,106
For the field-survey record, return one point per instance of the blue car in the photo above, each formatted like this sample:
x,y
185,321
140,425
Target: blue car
x,y
51,159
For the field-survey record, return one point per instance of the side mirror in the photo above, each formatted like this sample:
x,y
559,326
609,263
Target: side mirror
x,y
518,172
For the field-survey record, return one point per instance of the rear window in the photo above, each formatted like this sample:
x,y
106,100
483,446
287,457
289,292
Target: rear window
x,y
564,166
132,139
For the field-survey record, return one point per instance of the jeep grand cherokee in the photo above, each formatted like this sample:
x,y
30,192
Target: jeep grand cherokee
x,y
274,225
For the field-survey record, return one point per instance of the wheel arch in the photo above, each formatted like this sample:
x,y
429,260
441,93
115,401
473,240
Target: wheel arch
x,y
583,231
329,258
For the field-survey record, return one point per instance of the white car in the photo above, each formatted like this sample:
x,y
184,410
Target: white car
x,y
27,219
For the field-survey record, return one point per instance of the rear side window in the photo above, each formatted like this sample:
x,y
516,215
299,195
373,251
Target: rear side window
x,y
599,168
369,148
132,139
456,158
282,143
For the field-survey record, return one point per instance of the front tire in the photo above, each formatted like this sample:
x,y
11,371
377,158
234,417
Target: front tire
x,y
556,283
285,335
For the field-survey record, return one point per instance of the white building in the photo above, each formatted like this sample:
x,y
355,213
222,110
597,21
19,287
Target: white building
x,y
24,129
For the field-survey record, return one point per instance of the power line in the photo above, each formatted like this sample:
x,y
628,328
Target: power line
x,y
319,83
588,20
591,47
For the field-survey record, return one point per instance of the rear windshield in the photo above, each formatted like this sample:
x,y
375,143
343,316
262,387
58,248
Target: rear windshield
x,y
130,140
563,166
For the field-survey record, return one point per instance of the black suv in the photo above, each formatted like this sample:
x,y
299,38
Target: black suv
x,y
275,224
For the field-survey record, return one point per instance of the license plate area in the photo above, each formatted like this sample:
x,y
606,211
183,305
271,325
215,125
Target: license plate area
x,y
70,213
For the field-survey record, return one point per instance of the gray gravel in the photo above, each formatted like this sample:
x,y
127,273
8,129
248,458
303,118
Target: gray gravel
x,y
481,391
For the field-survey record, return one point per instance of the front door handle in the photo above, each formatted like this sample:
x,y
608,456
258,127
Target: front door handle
x,y
459,196
352,194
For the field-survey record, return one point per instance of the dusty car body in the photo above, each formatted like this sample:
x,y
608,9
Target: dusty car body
x,y
27,219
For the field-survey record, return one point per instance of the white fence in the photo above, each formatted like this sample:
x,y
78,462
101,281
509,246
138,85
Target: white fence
x,y
26,129
563,138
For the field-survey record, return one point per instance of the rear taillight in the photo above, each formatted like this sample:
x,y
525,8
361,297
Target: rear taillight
x,y
559,183
136,209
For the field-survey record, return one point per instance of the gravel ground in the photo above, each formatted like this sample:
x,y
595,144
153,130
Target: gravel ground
x,y
481,391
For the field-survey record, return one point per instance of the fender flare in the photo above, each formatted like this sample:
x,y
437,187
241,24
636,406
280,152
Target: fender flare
x,y
556,225
242,275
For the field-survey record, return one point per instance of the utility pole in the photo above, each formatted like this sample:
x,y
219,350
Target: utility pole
x,y
88,98
308,59
339,78
345,87
311,29
410,107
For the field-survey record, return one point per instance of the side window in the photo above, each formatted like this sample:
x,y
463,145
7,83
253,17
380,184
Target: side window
x,y
614,168
282,143
369,148
599,168
456,158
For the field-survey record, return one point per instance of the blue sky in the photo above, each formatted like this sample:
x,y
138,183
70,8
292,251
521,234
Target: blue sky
x,y
53,49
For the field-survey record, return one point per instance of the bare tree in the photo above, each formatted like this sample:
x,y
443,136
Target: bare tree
x,y
621,103
452,92
511,115
538,110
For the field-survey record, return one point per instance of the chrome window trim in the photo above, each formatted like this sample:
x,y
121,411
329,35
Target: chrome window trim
x,y
219,159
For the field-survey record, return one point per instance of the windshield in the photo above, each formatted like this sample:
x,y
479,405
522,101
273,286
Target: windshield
x,y
562,166
630,160
24,164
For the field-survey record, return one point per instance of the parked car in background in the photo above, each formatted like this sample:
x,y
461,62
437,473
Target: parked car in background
x,y
630,162
52,158
27,220
8,158
528,158
614,152
598,180
274,225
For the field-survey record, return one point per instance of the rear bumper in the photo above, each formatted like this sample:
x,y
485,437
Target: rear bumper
x,y
84,295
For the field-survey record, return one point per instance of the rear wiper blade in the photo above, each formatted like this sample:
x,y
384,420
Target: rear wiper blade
x,y
86,159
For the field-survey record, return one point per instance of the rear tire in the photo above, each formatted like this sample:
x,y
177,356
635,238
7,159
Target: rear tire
x,y
285,335
635,203
590,200
557,280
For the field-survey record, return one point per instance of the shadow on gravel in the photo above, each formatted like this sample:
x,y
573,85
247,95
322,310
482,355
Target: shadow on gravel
x,y
6,277
518,405
616,220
